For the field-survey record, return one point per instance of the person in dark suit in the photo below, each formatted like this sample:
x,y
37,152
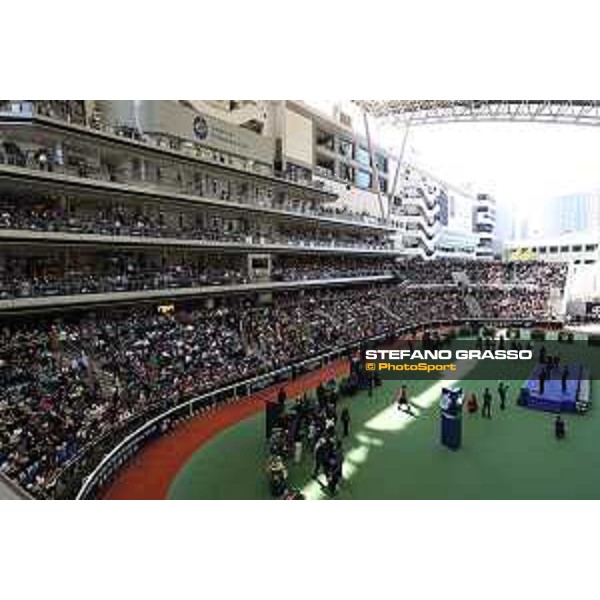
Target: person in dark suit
x,y
543,355
281,396
402,399
321,455
371,382
486,410
565,379
560,428
345,417
542,380
502,391
334,468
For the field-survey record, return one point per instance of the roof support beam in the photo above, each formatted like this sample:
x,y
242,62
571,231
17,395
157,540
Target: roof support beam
x,y
392,192
374,165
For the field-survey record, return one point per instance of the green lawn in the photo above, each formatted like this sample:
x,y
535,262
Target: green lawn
x,y
392,456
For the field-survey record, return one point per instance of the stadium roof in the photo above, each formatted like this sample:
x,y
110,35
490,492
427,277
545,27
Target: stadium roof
x,y
419,112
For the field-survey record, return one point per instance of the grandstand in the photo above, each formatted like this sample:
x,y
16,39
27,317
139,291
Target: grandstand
x,y
161,265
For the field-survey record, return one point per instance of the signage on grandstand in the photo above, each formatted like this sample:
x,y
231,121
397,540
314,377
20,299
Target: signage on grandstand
x,y
175,120
200,128
166,309
522,254
593,310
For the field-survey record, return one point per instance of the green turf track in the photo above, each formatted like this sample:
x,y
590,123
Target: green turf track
x,y
390,456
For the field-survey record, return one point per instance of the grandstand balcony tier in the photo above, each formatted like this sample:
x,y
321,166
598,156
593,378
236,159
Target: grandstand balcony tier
x,y
34,181
50,129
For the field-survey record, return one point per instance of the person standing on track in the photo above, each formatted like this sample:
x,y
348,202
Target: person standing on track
x,y
565,379
486,411
371,382
345,418
502,391
560,428
321,454
282,397
472,404
402,399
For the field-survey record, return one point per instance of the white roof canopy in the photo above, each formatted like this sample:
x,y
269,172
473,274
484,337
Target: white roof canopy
x,y
419,112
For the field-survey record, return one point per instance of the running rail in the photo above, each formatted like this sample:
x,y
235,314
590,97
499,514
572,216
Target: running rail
x,y
138,434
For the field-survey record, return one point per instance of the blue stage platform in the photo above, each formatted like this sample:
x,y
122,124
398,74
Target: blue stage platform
x,y
575,398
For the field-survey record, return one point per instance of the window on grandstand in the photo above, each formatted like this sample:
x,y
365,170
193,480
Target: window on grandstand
x,y
543,250
383,184
553,249
346,148
298,173
591,248
326,140
363,179
564,248
325,165
577,248
345,172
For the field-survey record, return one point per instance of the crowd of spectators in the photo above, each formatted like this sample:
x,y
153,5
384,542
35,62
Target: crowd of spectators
x,y
120,273
484,272
113,272
426,304
120,220
65,382
72,282
311,268
512,303
312,428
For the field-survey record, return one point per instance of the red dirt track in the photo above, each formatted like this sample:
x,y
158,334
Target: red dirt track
x,y
149,474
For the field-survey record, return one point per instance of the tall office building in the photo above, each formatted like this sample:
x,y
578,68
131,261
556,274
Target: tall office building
x,y
572,213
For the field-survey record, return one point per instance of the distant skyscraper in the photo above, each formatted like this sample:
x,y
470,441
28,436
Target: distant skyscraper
x,y
505,223
572,213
